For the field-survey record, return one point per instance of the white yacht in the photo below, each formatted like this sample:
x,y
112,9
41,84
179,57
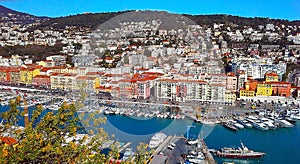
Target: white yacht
x,y
295,116
285,123
157,139
236,124
268,122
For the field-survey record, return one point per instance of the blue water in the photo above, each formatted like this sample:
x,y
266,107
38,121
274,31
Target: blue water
x,y
281,145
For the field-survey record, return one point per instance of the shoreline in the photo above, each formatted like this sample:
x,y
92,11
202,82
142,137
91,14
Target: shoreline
x,y
209,114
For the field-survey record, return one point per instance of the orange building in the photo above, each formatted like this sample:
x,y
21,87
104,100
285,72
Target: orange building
x,y
281,88
251,84
4,75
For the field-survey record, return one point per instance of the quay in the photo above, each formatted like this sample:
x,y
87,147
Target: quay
x,y
124,146
181,151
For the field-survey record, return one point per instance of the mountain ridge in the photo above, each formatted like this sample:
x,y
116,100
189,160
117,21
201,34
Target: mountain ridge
x,y
8,15
93,20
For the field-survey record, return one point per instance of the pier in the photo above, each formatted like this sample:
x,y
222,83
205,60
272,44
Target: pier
x,y
180,153
124,146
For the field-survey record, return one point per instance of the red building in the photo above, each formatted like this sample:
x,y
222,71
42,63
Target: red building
x,y
281,88
41,80
4,74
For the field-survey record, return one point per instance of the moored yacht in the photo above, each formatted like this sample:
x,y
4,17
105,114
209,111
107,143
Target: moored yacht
x,y
258,124
157,139
285,123
244,122
295,116
240,153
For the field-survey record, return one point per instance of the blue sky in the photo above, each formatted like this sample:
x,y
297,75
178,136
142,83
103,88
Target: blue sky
x,y
281,9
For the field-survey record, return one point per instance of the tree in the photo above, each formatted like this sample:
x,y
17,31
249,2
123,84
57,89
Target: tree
x,y
141,154
54,138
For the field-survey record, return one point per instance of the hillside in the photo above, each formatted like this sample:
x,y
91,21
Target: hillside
x,y
243,21
14,17
90,20
93,20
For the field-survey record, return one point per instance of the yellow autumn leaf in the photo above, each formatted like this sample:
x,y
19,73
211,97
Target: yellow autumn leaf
x,y
5,152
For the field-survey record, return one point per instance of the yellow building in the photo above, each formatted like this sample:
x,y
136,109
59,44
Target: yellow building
x,y
230,97
27,74
271,77
247,93
264,89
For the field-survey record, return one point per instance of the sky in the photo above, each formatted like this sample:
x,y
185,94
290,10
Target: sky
x,y
279,9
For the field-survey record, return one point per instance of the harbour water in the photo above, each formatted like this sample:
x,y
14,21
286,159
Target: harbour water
x,y
280,145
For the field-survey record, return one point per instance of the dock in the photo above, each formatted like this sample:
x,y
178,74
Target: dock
x,y
124,146
163,145
207,153
178,154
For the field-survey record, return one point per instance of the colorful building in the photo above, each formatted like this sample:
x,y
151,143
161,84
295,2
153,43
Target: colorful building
x,y
128,88
231,83
14,75
281,88
63,81
41,80
27,74
181,90
271,77
89,83
4,74
245,94
264,89
230,97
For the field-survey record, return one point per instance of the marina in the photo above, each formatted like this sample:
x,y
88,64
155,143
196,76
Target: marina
x,y
123,121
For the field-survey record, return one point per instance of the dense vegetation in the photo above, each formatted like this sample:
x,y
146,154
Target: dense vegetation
x,y
94,20
242,21
88,20
43,140
36,52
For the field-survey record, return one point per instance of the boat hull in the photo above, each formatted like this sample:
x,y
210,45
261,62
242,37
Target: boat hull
x,y
239,156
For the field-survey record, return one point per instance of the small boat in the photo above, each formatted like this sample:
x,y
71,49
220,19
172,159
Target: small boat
x,y
157,139
4,103
197,159
239,153
128,153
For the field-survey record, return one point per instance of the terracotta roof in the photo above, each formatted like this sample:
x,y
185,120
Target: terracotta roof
x,y
230,74
180,80
95,73
241,72
81,77
8,140
41,76
142,69
128,80
278,82
45,69
271,74
153,73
